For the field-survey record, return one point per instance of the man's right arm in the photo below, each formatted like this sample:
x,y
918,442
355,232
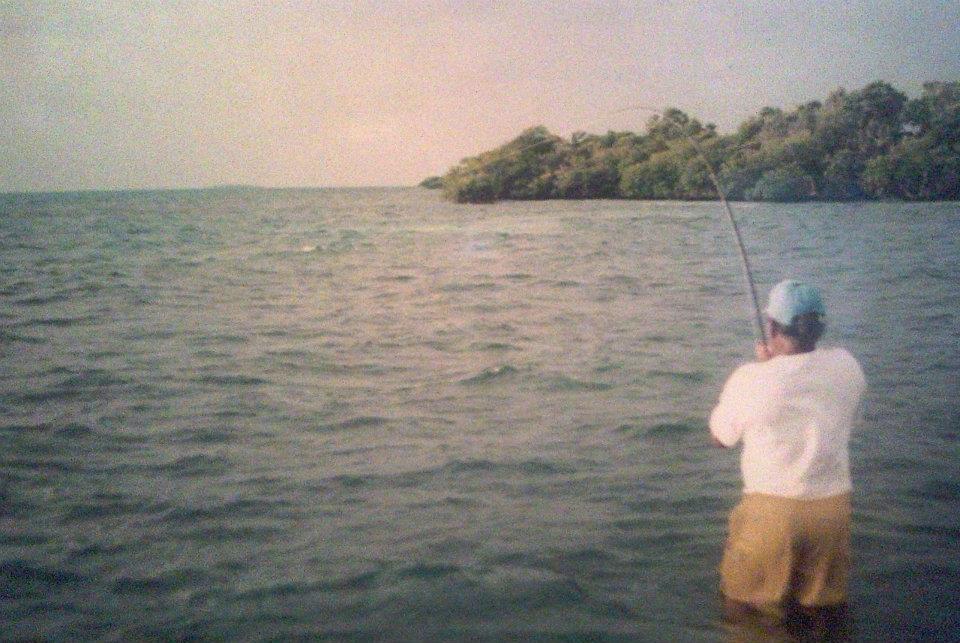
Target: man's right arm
x,y
717,443
725,421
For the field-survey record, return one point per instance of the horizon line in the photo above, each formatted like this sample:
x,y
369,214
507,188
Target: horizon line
x,y
239,187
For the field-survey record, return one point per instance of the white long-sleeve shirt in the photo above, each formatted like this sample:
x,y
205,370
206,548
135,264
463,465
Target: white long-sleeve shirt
x,y
794,414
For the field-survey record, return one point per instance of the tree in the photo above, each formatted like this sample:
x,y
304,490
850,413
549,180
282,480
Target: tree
x,y
432,182
740,171
655,178
914,170
867,122
783,184
464,187
936,113
841,178
673,124
869,143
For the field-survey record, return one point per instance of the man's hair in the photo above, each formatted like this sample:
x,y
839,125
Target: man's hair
x,y
804,329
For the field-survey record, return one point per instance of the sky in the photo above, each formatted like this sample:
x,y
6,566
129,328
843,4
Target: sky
x,y
128,94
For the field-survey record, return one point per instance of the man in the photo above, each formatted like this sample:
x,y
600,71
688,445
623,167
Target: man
x,y
793,409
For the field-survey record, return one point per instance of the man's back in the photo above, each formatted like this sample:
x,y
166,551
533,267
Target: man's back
x,y
794,414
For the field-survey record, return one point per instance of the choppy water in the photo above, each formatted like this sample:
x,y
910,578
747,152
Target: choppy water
x,y
371,413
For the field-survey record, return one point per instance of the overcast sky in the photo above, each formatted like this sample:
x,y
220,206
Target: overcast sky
x,y
124,94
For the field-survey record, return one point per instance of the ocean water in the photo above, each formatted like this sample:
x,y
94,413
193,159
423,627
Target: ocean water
x,y
373,414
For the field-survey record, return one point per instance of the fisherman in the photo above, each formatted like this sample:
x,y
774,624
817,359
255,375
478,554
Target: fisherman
x,y
788,548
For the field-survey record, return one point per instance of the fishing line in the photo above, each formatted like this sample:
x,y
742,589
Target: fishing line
x,y
744,259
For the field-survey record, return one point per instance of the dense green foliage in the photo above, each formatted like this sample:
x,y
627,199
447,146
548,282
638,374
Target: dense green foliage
x,y
432,183
869,144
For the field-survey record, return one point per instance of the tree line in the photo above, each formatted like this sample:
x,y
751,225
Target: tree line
x,y
873,143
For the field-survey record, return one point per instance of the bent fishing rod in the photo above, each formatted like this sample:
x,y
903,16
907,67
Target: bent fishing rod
x,y
744,259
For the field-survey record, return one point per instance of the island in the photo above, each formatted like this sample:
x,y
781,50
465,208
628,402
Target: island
x,y
873,143
432,183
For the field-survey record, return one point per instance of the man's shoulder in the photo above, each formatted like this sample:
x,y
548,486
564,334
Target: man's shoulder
x,y
839,354
844,360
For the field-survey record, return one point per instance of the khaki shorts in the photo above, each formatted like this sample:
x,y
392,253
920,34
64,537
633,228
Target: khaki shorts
x,y
785,550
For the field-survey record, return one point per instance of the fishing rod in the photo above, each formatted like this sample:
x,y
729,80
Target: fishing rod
x,y
744,259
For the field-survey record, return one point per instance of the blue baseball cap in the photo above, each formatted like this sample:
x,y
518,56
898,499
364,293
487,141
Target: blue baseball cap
x,y
790,298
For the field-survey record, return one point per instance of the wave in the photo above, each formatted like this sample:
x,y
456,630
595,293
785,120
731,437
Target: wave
x,y
493,347
620,280
428,570
230,380
59,322
458,502
666,429
291,353
235,509
47,395
941,490
221,338
194,466
110,505
489,375
532,588
36,465
96,550
469,287
40,300
6,336
359,422
547,383
564,384
659,339
16,288
157,333
163,582
333,368
93,378
684,376
23,577
88,384
350,582
535,466
207,435
221,533
69,429
607,368
456,469
663,429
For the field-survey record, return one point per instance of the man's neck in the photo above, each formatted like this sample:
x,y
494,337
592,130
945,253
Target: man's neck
x,y
782,345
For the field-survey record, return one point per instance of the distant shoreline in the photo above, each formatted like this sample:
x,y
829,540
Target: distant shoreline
x,y
146,191
212,188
